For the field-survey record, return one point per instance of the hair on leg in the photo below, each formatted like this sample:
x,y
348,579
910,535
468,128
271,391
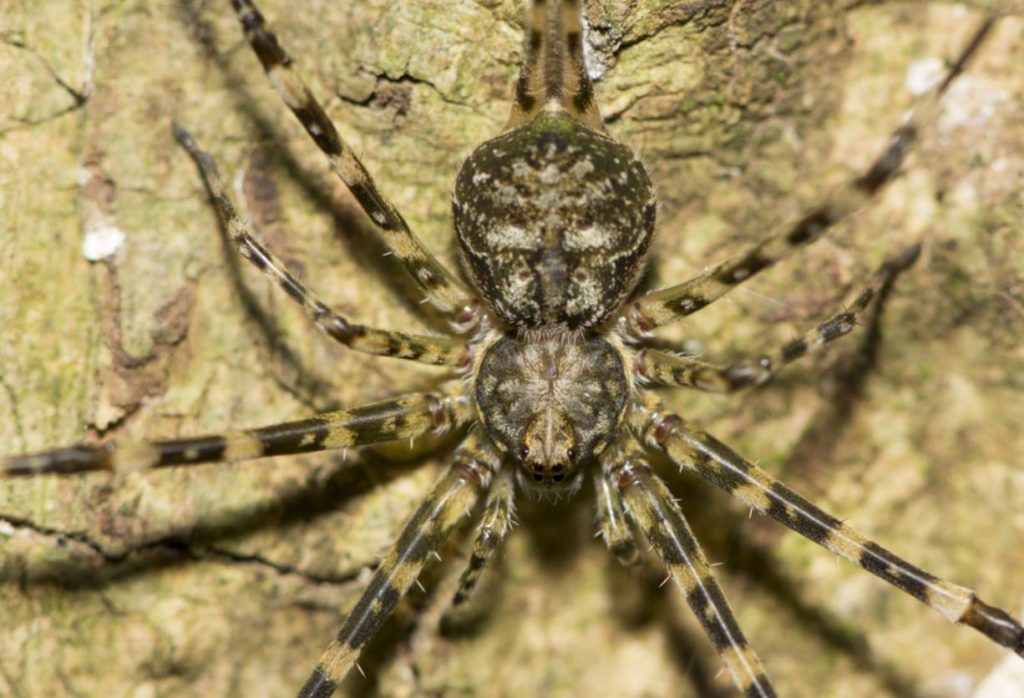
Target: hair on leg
x,y
451,498
651,507
696,450
446,292
663,368
676,302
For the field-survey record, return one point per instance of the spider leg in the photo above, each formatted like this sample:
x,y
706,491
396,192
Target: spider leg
x,y
676,302
422,348
554,72
651,507
697,450
495,523
668,369
611,518
452,497
398,418
440,286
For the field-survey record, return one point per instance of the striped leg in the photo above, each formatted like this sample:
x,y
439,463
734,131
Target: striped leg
x,y
671,304
668,369
611,519
714,461
452,497
497,520
398,418
652,509
440,286
554,73
422,348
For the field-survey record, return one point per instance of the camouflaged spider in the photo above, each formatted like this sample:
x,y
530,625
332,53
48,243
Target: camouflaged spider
x,y
554,219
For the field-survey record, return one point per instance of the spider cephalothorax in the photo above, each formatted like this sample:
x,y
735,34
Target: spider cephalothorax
x,y
552,400
554,219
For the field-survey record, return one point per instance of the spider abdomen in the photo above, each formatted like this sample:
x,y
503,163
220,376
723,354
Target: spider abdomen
x,y
554,221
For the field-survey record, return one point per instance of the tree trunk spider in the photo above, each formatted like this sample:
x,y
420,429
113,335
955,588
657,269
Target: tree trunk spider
x,y
550,359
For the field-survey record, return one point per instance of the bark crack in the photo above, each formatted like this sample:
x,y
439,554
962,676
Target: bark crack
x,y
171,546
79,95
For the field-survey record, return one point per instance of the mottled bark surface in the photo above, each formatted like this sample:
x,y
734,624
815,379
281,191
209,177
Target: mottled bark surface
x,y
229,580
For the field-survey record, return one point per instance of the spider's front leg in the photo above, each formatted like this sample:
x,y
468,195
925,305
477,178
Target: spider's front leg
x,y
398,418
676,302
651,507
696,450
446,292
452,497
495,523
611,516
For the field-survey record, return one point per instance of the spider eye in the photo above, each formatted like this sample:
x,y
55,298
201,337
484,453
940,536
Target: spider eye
x,y
571,453
524,452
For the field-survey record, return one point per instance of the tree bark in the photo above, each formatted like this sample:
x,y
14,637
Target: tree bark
x,y
230,580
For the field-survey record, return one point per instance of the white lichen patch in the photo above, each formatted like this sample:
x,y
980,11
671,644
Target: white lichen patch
x,y
593,57
1005,681
102,241
971,103
923,75
102,237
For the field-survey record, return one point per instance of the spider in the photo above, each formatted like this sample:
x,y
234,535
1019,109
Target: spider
x,y
554,356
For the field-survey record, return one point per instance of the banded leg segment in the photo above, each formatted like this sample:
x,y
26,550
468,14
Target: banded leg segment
x,y
554,72
697,450
440,286
668,369
496,522
422,348
451,498
614,528
654,511
674,303
399,418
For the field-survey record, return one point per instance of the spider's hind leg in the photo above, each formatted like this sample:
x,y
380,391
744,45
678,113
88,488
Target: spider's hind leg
x,y
676,302
422,348
554,72
668,369
441,287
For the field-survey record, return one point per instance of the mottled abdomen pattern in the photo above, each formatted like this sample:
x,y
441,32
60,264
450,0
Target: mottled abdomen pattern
x,y
554,221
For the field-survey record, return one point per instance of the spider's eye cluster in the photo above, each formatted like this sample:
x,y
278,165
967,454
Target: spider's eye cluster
x,y
548,455
553,475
